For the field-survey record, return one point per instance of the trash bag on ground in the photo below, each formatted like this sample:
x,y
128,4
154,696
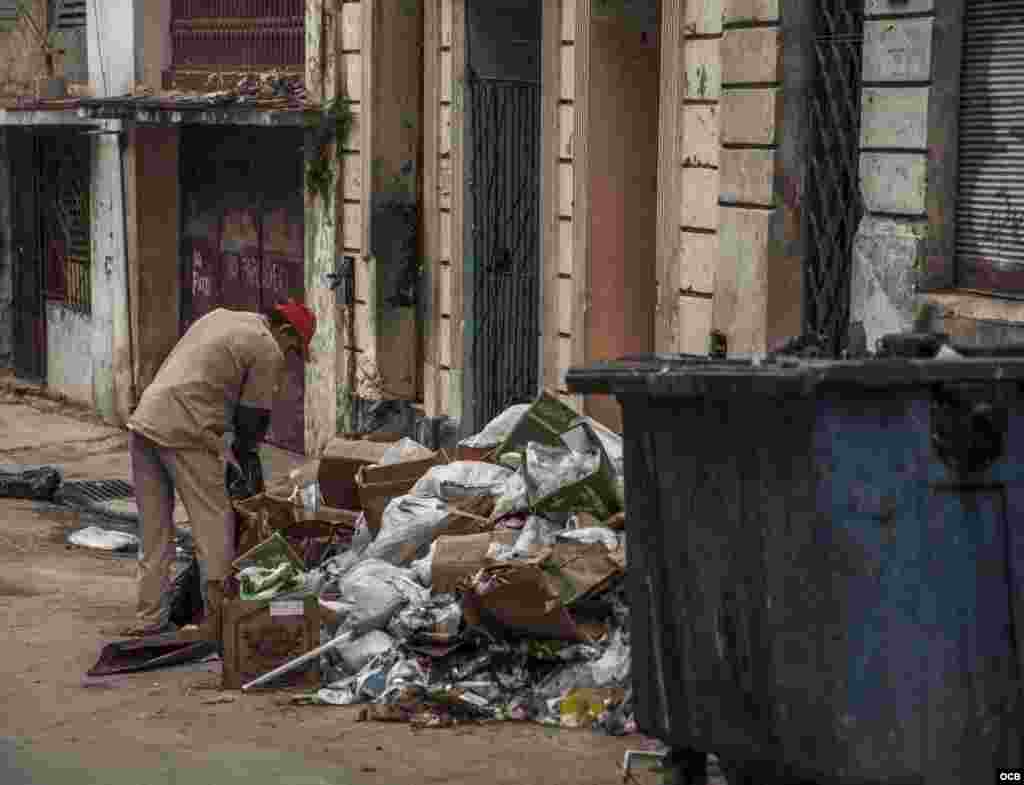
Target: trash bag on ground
x,y
187,595
439,620
104,540
498,429
461,479
374,590
550,468
357,653
408,526
38,483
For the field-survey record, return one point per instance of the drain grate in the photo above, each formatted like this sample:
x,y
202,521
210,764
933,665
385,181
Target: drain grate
x,y
89,492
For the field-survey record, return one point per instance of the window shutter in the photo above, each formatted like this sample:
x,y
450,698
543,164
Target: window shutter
x,y
69,14
990,194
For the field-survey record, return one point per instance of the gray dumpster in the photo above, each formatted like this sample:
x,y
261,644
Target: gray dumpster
x,y
826,563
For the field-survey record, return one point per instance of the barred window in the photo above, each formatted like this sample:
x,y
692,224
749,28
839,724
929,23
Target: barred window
x,y
65,215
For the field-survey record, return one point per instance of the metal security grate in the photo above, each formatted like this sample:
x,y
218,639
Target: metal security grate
x,y
834,204
88,492
504,120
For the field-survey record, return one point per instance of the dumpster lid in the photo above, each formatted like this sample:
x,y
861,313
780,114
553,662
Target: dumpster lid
x,y
688,376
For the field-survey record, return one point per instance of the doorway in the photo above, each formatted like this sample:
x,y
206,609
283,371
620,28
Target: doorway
x,y
502,223
623,171
243,239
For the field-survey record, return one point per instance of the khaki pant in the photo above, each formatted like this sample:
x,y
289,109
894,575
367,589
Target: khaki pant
x,y
198,476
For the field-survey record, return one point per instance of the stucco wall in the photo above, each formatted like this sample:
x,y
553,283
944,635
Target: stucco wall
x,y
109,341
69,353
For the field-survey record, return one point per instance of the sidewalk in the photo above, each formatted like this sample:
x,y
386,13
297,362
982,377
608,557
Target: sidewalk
x,y
35,429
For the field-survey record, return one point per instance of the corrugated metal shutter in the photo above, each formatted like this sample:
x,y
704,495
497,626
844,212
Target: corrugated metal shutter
x,y
990,206
8,10
69,14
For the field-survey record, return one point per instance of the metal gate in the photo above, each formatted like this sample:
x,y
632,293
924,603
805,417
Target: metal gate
x,y
504,187
29,313
243,240
833,203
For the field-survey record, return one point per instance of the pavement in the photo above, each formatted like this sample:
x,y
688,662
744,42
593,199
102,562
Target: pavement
x,y
176,726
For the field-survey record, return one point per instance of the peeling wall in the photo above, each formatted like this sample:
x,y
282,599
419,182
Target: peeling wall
x,y
21,59
110,364
69,353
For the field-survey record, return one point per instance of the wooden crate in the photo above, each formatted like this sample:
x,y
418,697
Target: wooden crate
x,y
260,636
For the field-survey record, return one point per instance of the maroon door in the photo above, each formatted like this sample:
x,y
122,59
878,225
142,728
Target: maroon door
x,y
243,239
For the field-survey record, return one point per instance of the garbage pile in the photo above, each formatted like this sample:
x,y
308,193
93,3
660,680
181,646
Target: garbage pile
x,y
489,587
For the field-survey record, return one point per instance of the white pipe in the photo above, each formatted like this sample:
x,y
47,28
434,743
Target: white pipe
x,y
345,637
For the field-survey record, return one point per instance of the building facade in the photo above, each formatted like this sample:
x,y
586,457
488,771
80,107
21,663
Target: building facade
x,y
474,196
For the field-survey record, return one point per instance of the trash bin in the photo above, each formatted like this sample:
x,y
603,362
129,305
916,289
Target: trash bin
x,y
826,563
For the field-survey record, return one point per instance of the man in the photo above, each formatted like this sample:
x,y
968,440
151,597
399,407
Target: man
x,y
222,376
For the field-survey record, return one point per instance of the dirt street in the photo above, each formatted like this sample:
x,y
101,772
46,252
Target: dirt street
x,y
176,726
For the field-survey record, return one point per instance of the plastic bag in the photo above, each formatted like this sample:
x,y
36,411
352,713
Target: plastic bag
x,y
440,616
403,450
613,668
356,654
186,599
592,534
29,482
462,478
612,444
550,468
375,590
261,583
422,567
104,539
408,526
514,499
498,429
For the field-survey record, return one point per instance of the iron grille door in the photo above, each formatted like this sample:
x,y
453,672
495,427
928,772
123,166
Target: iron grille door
x,y
504,122
833,199
990,201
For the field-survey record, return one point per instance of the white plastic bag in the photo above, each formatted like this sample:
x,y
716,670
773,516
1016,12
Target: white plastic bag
x,y
374,590
356,654
421,567
103,539
593,534
403,450
498,429
551,468
462,478
408,526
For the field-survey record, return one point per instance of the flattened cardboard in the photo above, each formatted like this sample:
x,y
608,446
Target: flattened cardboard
x,y
256,642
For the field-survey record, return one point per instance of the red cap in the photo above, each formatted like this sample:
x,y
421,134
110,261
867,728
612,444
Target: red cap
x,y
301,318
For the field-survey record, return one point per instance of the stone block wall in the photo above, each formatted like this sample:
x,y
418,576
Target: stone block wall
x,y
755,227
890,247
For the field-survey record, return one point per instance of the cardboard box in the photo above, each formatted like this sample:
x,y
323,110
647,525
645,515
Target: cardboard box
x,y
261,636
378,485
339,464
308,533
456,558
